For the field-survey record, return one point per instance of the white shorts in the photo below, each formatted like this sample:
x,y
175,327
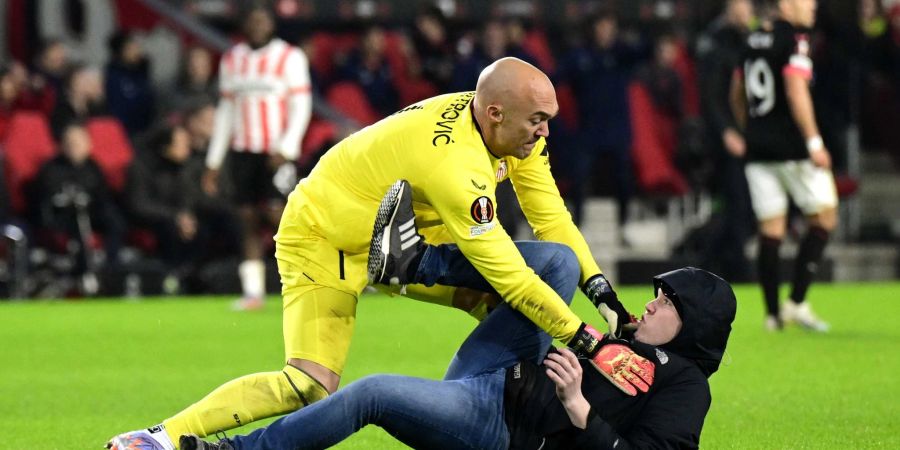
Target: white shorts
x,y
812,188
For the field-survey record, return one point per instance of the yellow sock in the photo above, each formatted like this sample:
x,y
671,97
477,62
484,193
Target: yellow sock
x,y
246,399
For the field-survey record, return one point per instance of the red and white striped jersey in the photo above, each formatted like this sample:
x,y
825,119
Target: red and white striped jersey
x,y
266,101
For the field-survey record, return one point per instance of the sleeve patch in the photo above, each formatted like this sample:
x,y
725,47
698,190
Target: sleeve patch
x,y
482,210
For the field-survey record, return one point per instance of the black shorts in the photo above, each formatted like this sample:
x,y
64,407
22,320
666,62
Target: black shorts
x,y
251,178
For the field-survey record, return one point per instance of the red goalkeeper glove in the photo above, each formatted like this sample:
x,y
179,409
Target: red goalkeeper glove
x,y
620,365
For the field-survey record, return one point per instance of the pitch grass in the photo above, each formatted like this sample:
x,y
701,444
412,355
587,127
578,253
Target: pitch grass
x,y
73,373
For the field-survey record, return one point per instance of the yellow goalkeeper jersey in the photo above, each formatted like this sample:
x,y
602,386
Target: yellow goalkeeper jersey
x,y
436,146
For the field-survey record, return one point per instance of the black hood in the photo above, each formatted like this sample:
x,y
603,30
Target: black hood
x,y
706,305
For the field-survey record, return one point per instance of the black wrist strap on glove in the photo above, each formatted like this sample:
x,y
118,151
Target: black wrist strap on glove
x,y
597,287
586,342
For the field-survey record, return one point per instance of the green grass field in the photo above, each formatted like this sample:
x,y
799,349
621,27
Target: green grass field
x,y
76,372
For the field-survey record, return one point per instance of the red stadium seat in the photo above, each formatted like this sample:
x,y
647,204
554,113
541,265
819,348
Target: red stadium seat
x,y
111,149
26,146
414,90
348,98
653,166
318,134
536,45
321,60
4,122
326,48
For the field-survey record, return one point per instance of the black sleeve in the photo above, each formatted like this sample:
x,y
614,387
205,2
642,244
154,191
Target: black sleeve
x,y
671,419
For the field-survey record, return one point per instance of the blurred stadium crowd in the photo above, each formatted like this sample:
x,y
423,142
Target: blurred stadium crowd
x,y
103,156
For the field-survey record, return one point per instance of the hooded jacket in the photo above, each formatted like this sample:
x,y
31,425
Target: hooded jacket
x,y
669,415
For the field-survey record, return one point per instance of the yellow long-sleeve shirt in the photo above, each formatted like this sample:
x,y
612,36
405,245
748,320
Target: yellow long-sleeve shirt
x,y
437,147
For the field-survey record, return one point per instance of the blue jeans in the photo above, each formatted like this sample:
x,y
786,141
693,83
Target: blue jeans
x,y
465,410
486,348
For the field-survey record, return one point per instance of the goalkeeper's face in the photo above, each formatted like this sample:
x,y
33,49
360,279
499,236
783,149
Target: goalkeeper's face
x,y
523,120
660,322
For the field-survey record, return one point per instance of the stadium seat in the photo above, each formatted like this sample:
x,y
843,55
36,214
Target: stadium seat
x,y
653,165
321,60
327,47
348,98
413,90
111,149
4,123
26,146
318,134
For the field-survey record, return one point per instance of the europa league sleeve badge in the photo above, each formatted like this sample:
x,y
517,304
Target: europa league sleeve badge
x,y
482,210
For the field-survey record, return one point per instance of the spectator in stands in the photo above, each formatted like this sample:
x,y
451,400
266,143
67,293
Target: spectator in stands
x,y
32,93
195,83
661,79
52,64
82,99
369,68
493,45
515,36
163,194
434,47
599,73
72,201
199,121
129,92
718,53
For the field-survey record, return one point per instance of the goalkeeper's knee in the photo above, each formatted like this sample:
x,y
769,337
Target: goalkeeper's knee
x,y
308,389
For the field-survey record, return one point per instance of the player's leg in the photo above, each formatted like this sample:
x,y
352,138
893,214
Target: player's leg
x,y
769,200
318,326
246,170
505,336
420,413
814,191
473,302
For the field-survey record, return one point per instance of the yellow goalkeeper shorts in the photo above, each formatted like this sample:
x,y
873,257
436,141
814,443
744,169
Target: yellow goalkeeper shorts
x,y
320,286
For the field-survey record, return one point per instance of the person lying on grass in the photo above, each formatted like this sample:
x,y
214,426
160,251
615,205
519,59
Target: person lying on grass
x,y
529,398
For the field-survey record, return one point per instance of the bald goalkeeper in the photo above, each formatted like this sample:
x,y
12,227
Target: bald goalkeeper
x,y
452,150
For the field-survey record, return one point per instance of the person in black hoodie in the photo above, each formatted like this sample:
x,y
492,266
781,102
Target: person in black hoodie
x,y
563,403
